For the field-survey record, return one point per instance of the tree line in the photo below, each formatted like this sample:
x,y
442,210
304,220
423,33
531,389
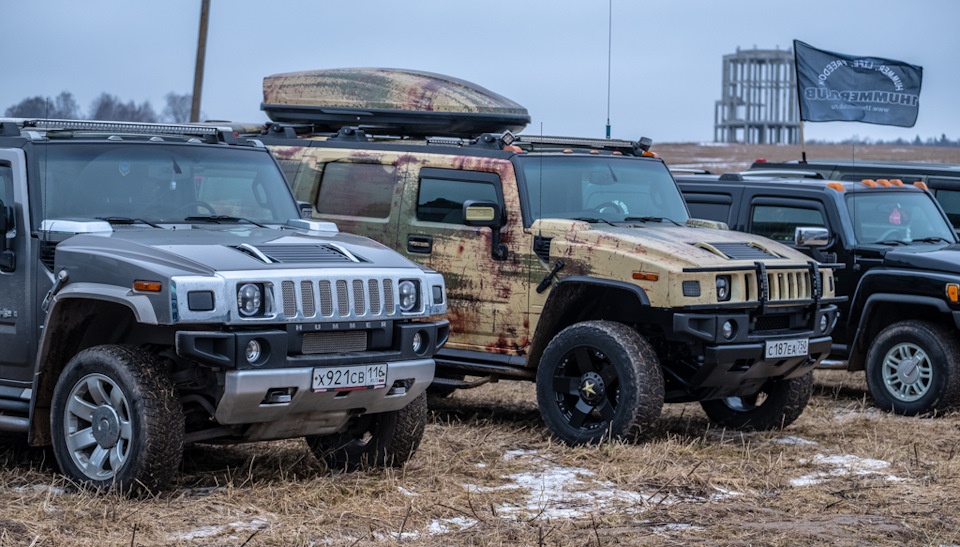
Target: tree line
x,y
104,107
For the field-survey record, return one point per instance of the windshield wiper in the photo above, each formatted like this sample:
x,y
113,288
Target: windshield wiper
x,y
128,220
593,220
933,239
891,242
221,218
651,219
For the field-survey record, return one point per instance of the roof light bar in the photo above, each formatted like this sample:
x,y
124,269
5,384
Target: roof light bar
x,y
124,127
574,141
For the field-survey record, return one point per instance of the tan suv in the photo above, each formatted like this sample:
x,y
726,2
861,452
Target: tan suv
x,y
569,262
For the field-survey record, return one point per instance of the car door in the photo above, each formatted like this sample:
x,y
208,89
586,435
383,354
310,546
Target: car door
x,y
17,327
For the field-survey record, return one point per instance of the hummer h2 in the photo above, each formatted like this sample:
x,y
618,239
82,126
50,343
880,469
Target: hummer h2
x,y
159,287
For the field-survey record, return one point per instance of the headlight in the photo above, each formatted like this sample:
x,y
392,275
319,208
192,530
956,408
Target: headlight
x,y
723,288
250,300
408,295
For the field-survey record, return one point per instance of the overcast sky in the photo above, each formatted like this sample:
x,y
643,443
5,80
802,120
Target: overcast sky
x,y
550,56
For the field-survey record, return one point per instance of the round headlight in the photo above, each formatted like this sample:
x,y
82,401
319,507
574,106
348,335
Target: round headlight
x,y
723,287
253,351
729,329
408,295
823,323
249,299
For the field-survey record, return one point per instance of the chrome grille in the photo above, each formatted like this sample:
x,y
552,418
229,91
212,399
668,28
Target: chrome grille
x,y
289,299
343,303
334,342
326,299
788,285
359,301
374,288
309,304
388,296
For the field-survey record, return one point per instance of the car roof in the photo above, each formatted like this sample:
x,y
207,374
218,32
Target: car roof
x,y
853,164
749,178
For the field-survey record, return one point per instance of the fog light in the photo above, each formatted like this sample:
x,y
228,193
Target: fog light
x,y
823,323
729,329
253,351
419,342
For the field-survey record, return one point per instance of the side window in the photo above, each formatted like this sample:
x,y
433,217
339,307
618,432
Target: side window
x,y
6,183
709,206
779,222
357,189
950,201
441,200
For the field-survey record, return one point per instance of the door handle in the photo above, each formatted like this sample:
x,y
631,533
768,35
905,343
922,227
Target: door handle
x,y
419,244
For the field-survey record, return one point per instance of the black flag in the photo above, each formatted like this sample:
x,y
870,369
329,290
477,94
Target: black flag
x,y
837,87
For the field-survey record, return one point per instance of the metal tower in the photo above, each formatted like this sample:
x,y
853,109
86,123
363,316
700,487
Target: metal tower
x,y
758,102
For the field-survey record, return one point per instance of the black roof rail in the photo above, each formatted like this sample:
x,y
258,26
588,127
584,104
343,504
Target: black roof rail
x,y
540,142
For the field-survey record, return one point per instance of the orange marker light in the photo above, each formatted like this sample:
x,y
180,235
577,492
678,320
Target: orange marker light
x,y
836,186
567,151
512,148
868,182
646,276
883,182
594,151
650,154
148,286
896,182
920,184
953,292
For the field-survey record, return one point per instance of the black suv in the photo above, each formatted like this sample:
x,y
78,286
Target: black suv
x,y
942,179
902,272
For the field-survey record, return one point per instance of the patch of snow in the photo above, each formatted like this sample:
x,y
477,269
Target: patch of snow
x,y
455,524
407,492
666,529
843,466
209,531
794,440
38,487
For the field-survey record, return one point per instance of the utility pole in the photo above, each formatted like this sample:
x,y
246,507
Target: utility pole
x,y
201,54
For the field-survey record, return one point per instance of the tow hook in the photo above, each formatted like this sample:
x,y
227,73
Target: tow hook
x,y
61,281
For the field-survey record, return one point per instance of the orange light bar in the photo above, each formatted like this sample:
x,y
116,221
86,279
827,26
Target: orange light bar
x,y
953,292
883,182
920,184
149,286
646,276
896,182
868,182
836,186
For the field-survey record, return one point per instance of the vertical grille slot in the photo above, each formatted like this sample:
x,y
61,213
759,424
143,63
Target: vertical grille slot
x,y
359,302
388,304
309,304
343,299
374,288
289,299
326,299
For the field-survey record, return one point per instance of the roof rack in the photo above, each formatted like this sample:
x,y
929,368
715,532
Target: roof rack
x,y
211,133
540,142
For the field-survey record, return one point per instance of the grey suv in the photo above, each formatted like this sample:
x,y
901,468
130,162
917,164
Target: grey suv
x,y
158,287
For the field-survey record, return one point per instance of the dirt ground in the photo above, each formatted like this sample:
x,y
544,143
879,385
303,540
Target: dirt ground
x,y
488,472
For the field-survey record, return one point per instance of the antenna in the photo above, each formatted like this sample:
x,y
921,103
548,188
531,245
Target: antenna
x,y
609,56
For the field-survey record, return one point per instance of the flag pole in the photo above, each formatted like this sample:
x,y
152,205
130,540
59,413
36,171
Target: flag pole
x,y
796,76
803,145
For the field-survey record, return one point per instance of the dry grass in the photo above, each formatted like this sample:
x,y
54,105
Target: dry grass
x,y
489,474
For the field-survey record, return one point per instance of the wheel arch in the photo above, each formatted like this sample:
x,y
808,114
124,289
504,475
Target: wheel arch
x,y
882,310
582,298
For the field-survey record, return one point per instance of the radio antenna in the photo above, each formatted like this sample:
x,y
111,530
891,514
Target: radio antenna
x,y
609,56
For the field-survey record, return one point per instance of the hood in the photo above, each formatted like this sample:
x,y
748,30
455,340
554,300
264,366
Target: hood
x,y
927,257
168,252
679,247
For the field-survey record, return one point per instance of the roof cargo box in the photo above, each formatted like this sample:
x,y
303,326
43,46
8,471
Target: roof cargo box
x,y
380,100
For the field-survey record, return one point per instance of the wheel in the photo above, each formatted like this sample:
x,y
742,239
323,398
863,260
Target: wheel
x,y
374,440
197,205
597,380
116,421
912,368
778,404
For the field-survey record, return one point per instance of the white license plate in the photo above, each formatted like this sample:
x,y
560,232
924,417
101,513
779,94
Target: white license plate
x,y
348,378
774,349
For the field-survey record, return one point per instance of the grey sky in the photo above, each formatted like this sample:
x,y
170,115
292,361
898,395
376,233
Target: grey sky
x,y
550,56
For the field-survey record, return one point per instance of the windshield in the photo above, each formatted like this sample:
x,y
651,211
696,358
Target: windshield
x,y
601,189
158,183
897,218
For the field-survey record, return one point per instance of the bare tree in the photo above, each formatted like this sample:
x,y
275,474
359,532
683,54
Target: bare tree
x,y
178,107
110,107
64,107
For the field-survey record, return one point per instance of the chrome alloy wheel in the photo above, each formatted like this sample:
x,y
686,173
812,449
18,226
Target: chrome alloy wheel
x,y
907,371
98,430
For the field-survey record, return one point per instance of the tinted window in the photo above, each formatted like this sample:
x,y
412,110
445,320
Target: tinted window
x,y
441,200
950,201
709,211
357,189
780,222
6,183
896,216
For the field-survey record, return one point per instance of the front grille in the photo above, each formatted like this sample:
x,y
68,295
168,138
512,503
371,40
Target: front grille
x,y
788,285
772,322
334,342
363,298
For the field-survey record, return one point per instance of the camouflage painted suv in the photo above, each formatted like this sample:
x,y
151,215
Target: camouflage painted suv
x,y
569,262
158,287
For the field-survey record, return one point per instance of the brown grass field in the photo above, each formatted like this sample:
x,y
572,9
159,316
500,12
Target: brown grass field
x,y
488,473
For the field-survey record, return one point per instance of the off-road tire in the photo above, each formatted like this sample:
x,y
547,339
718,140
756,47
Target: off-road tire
x,y
783,400
937,383
138,391
374,440
631,392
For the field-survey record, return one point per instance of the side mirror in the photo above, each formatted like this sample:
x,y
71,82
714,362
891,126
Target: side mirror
x,y
487,213
482,213
811,236
306,210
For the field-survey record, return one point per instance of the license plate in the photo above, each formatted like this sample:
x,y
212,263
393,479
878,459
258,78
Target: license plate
x,y
349,378
774,349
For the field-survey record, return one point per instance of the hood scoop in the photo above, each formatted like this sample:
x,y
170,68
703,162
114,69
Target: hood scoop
x,y
298,254
738,250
